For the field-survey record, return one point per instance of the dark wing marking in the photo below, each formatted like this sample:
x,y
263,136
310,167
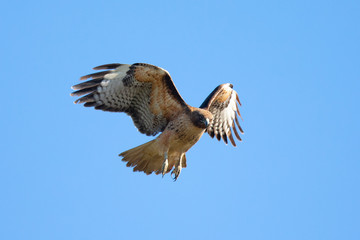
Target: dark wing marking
x,y
143,91
222,103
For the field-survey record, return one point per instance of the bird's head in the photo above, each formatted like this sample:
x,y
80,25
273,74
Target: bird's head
x,y
201,118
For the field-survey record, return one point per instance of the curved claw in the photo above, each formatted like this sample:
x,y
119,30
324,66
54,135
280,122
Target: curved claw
x,y
177,169
176,172
173,177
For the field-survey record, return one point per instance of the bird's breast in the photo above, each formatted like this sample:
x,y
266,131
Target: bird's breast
x,y
184,134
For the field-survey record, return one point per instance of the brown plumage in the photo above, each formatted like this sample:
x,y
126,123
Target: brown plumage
x,y
148,95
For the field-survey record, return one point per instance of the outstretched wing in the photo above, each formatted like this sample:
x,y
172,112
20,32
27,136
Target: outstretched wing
x,y
143,91
222,103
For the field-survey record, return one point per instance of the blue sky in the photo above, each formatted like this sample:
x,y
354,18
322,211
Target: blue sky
x,y
294,64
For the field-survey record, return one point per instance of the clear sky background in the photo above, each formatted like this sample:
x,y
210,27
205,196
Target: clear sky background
x,y
294,64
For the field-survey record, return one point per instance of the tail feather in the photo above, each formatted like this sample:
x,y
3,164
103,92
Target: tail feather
x,y
144,158
147,158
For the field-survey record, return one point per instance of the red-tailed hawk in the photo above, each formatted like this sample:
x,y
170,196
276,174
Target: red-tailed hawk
x,y
148,95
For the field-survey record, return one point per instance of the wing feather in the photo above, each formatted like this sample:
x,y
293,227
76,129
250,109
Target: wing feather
x,y
223,104
143,91
108,66
95,75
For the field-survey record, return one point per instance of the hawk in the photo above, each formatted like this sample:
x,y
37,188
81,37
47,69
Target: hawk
x,y
148,95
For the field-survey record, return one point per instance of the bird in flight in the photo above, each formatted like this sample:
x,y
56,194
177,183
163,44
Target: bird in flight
x,y
148,95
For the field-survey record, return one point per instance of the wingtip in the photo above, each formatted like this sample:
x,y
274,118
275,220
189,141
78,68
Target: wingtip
x,y
107,66
82,78
238,100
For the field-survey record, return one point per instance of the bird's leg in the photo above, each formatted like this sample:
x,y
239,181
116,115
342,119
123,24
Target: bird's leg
x,y
177,169
165,164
